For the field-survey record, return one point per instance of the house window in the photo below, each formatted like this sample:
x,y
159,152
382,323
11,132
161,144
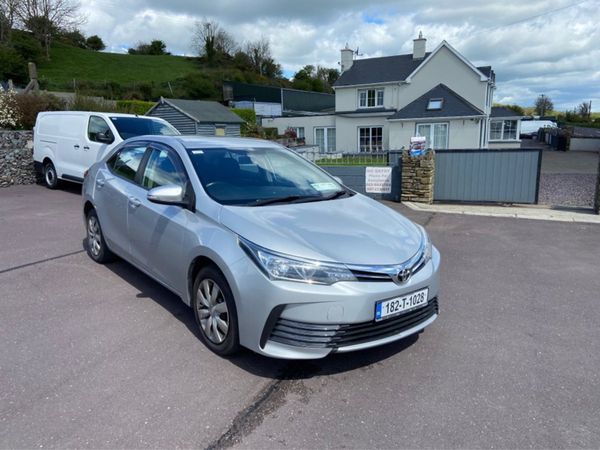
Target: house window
x,y
370,98
299,132
503,130
370,139
435,103
436,134
325,139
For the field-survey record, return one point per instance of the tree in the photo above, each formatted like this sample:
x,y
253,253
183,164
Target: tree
x,y
73,37
45,17
584,110
211,41
95,43
261,61
543,105
8,14
156,47
319,79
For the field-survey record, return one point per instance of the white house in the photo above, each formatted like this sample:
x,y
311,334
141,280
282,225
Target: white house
x,y
380,103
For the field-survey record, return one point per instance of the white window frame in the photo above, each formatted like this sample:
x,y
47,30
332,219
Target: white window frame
x,y
370,145
503,137
326,132
297,131
376,98
431,136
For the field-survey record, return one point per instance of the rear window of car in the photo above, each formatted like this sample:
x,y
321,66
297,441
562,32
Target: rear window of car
x,y
129,127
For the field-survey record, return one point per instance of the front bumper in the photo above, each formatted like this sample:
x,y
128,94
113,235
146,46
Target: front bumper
x,y
285,319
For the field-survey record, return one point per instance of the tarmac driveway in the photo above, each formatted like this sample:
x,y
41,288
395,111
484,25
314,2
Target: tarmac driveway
x,y
103,357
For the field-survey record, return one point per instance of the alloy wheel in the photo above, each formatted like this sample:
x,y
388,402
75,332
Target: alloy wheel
x,y
212,311
94,237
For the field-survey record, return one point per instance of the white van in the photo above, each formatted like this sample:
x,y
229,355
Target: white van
x,y
67,143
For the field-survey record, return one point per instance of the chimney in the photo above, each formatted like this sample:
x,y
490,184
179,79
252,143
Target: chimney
x,y
347,58
419,47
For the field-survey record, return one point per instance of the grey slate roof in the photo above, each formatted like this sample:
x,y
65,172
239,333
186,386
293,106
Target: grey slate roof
x,y
453,106
379,70
503,111
204,111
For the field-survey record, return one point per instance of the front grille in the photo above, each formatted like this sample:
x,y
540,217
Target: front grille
x,y
303,334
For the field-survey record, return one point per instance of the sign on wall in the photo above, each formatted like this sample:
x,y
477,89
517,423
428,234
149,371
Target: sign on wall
x,y
378,180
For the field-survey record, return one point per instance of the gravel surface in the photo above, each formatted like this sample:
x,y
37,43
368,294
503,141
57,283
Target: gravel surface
x,y
567,189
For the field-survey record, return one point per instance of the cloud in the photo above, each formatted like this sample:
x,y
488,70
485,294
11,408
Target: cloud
x,y
532,47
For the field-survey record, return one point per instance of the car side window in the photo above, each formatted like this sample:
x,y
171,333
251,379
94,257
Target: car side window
x,y
163,168
125,163
99,131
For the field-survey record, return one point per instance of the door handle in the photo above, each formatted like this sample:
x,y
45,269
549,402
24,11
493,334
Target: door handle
x,y
86,148
100,183
134,202
76,146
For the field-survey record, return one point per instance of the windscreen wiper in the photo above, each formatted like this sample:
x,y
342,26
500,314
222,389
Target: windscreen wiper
x,y
286,199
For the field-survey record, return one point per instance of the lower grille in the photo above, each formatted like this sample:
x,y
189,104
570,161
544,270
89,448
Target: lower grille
x,y
303,334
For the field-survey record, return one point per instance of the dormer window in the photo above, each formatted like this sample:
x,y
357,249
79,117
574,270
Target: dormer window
x,y
370,98
435,104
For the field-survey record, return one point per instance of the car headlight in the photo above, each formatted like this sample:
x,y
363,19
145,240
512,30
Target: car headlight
x,y
282,267
428,248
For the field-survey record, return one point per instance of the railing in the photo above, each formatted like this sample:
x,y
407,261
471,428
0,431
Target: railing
x,y
347,159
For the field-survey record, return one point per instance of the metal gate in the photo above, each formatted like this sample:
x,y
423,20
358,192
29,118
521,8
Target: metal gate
x,y
488,175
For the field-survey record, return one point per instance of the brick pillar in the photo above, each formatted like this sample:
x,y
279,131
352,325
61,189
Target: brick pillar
x,y
418,173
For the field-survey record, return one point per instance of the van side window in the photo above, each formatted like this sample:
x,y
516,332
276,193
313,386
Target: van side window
x,y
163,168
98,126
126,162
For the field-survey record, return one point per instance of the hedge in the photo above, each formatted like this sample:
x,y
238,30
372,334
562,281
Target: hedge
x,y
139,107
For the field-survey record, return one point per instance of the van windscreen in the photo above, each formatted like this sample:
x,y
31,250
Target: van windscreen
x,y
139,126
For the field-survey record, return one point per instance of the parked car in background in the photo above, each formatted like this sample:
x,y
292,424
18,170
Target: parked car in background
x,y
270,251
67,143
529,128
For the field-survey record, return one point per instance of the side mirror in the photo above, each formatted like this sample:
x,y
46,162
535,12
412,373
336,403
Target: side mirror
x,y
105,138
169,194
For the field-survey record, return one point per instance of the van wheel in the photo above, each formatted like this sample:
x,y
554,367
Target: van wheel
x,y
96,244
215,311
50,176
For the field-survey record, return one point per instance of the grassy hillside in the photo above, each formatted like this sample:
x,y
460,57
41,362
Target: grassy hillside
x,y
68,63
143,77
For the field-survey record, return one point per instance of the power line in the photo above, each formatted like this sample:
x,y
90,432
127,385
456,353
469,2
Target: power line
x,y
536,16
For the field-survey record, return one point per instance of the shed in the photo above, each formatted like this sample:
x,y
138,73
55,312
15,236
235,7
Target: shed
x,y
198,117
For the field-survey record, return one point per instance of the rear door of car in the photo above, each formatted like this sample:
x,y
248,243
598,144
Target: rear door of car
x,y
156,231
115,185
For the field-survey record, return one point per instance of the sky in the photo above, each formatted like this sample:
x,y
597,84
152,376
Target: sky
x,y
549,47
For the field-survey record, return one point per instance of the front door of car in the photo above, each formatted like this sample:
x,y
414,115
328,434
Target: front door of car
x,y
98,139
157,231
112,191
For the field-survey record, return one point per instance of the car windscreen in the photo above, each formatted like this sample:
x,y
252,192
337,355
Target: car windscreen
x,y
139,126
261,176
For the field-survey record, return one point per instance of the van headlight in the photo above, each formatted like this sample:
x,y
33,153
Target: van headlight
x,y
283,267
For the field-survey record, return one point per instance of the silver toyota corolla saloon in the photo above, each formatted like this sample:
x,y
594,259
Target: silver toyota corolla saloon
x,y
271,252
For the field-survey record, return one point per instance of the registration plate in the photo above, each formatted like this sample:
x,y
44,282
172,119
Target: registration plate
x,y
385,309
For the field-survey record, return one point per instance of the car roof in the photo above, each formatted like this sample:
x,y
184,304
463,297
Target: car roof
x,y
194,142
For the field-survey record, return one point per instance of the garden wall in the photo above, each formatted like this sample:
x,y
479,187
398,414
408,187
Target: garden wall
x,y
16,158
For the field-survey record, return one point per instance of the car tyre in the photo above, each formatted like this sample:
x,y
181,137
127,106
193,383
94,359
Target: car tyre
x,y
50,176
215,312
95,243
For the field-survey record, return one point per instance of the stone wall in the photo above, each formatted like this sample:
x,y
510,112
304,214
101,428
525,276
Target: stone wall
x,y
418,173
16,158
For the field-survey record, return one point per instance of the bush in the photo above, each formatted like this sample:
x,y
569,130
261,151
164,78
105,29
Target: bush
x,y
249,118
199,87
95,43
74,38
270,133
12,65
29,105
84,103
9,111
27,46
138,107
